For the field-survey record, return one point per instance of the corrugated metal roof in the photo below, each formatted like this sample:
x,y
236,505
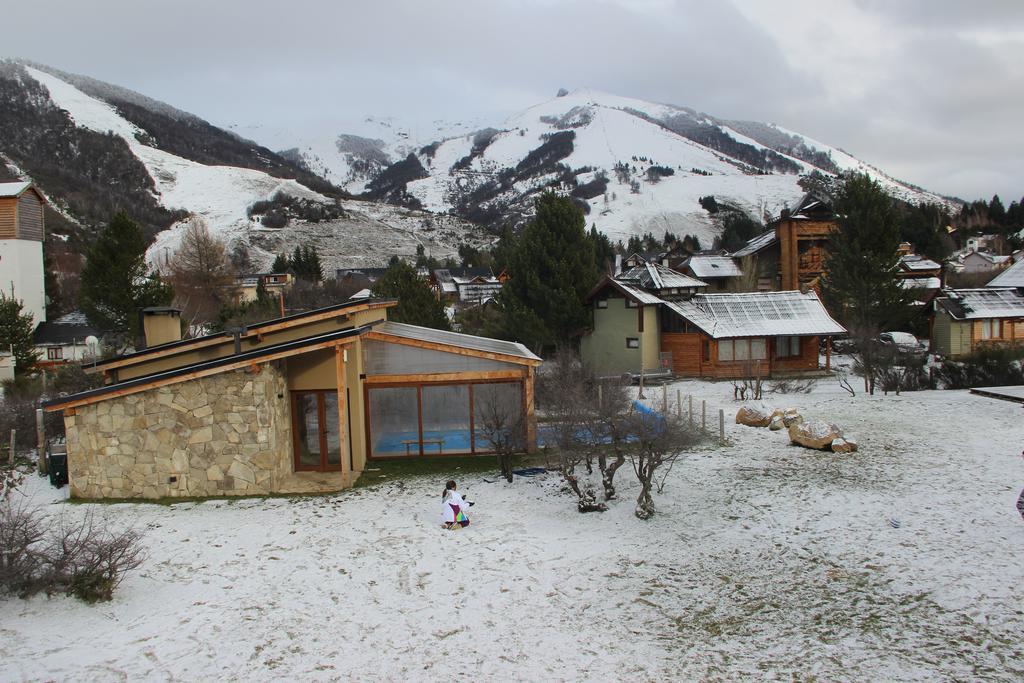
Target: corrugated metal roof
x,y
757,244
978,304
638,294
1011,277
656,276
466,341
713,266
13,189
757,314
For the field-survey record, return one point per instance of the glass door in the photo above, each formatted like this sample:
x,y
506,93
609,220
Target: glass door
x,y
317,439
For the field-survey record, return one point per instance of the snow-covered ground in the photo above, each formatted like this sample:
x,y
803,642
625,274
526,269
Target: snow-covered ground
x,y
764,561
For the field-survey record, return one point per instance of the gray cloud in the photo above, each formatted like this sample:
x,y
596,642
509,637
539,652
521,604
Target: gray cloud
x,y
939,109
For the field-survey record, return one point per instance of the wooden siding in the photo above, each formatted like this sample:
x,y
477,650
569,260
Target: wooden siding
x,y
30,217
8,218
688,358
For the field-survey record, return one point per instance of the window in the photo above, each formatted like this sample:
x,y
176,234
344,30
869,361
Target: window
x,y
56,353
707,351
742,349
632,343
990,329
631,304
602,303
787,347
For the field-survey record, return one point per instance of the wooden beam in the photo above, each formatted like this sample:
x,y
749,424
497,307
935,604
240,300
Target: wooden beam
x,y
449,348
197,374
528,412
448,377
256,334
343,440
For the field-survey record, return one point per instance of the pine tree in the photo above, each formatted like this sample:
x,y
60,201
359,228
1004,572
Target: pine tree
x,y
860,286
281,264
16,329
551,270
996,211
417,304
115,284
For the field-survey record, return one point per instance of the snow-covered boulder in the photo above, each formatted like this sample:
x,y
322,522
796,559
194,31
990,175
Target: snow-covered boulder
x,y
791,416
777,423
844,445
816,434
754,416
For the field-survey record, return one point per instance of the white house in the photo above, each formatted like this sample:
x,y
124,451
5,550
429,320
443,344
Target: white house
x,y
21,246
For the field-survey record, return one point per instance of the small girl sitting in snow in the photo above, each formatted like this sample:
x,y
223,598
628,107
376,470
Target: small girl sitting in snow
x,y
453,508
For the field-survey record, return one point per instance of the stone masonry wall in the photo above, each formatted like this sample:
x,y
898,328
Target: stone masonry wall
x,y
227,434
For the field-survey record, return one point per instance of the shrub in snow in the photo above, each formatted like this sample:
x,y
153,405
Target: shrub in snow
x,y
82,558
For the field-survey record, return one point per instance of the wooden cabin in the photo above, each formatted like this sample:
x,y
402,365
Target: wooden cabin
x,y
297,404
640,325
967,320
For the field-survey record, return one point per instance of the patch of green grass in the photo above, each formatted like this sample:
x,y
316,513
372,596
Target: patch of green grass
x,y
442,469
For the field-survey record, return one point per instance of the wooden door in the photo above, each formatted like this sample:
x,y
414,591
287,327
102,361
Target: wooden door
x,y
316,437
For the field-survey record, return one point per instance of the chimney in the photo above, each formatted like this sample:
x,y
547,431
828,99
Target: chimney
x,y
160,325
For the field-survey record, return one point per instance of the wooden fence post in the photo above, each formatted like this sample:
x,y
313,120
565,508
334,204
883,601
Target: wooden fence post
x,y
691,411
41,441
721,426
703,416
679,403
664,399
11,459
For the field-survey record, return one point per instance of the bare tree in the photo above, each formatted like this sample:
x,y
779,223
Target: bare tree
x,y
658,441
501,423
750,385
202,275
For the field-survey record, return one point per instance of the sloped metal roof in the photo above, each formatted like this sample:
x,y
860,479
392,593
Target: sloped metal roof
x,y
1011,277
921,283
757,314
656,276
713,266
979,304
755,245
13,189
466,341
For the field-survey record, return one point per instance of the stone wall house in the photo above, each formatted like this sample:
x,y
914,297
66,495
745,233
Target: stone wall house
x,y
217,435
292,405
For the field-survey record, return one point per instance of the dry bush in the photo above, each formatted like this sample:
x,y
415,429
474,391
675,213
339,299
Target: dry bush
x,y
658,441
792,385
81,558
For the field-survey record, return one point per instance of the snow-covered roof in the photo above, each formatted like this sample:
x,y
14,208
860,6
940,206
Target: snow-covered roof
x,y
13,189
916,262
466,341
639,295
921,283
713,266
757,314
979,304
1011,277
656,276
757,244
362,294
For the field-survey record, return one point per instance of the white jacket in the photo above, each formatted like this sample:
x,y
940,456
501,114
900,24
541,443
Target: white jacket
x,y
453,498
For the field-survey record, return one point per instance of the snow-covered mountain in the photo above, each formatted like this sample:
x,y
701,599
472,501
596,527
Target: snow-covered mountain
x,y
169,165
635,166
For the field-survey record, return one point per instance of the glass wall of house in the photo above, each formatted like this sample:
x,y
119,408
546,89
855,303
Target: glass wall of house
x,y
418,405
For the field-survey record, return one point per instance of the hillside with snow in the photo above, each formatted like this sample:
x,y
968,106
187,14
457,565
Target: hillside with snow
x,y
633,165
181,166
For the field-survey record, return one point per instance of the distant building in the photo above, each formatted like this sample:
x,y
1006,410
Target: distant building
x,y
22,231
719,272
652,319
273,283
791,254
981,262
68,339
969,319
466,285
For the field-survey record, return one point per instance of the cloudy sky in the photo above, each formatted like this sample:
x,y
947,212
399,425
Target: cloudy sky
x,y
931,92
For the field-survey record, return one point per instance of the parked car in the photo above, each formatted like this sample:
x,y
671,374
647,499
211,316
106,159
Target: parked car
x,y
903,342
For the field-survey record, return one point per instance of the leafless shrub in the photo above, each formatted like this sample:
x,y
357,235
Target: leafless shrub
x,y
750,386
844,382
84,559
502,426
792,385
658,441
